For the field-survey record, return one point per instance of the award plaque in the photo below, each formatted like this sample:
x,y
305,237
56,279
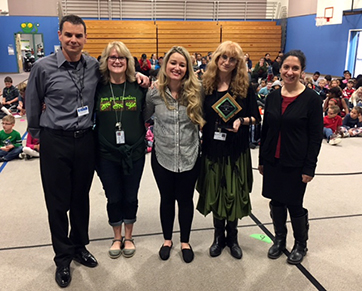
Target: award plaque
x,y
226,107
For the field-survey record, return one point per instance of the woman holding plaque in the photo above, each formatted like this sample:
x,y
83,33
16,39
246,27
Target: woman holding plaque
x,y
226,174
176,104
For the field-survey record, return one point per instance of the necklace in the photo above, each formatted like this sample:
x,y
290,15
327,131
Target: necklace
x,y
118,121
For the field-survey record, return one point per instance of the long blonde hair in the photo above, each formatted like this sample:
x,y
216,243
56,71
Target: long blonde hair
x,y
190,87
122,50
239,78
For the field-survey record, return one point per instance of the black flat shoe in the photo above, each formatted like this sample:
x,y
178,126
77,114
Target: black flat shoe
x,y
165,252
85,258
188,255
62,276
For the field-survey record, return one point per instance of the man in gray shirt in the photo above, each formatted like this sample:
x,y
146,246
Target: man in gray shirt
x,y
60,101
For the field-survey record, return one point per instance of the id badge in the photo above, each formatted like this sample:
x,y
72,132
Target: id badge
x,y
220,135
120,138
83,110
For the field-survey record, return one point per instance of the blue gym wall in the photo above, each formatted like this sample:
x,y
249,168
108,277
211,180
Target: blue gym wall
x,y
326,46
10,25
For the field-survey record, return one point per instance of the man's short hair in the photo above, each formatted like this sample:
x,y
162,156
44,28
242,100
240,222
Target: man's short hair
x,y
9,118
8,79
317,73
73,19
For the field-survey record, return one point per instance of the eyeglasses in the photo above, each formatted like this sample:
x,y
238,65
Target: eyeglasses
x,y
232,60
114,58
6,123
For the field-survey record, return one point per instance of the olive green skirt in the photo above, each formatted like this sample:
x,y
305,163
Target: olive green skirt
x,y
224,187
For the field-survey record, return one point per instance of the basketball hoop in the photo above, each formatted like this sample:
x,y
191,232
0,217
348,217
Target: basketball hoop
x,y
320,21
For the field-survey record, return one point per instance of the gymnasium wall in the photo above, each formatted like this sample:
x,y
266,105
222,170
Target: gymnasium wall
x,y
325,47
10,25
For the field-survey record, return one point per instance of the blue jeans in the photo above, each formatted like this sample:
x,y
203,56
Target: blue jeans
x,y
13,154
121,190
327,132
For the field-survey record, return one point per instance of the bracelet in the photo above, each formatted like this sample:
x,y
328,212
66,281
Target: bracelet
x,y
241,120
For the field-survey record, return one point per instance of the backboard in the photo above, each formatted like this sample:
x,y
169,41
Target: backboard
x,y
329,12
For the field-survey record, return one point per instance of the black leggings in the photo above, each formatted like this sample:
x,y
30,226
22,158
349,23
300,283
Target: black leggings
x,y
175,187
294,210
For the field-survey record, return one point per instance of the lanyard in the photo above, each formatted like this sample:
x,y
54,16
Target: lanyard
x,y
81,83
118,121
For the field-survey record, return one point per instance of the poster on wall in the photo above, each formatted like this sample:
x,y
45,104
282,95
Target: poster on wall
x,y
25,44
11,50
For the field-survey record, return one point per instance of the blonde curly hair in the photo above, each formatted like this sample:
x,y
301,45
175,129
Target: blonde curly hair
x,y
122,50
190,87
239,79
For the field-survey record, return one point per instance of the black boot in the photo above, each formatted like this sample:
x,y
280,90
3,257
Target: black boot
x,y
300,229
279,216
232,239
219,238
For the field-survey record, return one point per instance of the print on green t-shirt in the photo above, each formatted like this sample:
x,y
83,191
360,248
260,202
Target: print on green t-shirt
x,y
120,103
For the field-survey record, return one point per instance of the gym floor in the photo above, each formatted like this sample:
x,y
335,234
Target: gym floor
x,y
333,261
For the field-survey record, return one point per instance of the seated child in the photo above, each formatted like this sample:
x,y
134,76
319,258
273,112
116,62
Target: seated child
x,y
32,147
276,85
10,94
352,123
263,93
348,90
356,98
331,102
332,123
336,93
21,106
10,140
321,89
262,85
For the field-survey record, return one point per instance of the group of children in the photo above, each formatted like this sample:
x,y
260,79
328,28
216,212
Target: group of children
x,y
342,103
342,106
10,139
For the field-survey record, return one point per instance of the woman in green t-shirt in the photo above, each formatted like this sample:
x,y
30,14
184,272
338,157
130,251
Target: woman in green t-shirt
x,y
121,143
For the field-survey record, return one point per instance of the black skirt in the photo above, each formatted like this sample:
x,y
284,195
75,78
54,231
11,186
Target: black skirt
x,y
283,184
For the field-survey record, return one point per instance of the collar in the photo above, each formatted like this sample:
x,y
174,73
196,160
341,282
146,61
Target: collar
x,y
61,59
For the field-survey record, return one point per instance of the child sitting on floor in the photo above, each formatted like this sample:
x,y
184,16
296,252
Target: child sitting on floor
x,y
32,147
348,90
10,140
352,123
332,123
336,93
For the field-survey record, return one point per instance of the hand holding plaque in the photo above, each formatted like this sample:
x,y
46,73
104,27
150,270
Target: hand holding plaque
x,y
226,107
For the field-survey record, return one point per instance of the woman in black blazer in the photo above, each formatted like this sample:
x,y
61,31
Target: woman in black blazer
x,y
291,138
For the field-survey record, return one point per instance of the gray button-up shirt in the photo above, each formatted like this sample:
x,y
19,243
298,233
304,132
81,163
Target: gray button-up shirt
x,y
56,84
176,137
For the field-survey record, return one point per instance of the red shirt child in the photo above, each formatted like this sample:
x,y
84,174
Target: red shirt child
x,y
333,120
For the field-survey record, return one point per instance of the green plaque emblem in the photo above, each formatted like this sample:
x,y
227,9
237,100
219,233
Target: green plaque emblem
x,y
226,107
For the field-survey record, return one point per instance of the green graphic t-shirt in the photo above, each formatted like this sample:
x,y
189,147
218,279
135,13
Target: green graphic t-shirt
x,y
126,110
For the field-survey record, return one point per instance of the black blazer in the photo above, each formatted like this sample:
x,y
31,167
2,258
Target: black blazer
x,y
300,127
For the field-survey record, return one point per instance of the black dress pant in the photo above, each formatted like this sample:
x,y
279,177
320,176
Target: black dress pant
x,y
67,166
176,187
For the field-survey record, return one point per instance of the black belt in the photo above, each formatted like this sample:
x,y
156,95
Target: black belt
x,y
69,133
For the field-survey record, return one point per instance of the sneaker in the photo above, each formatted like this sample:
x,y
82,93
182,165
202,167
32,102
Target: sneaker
x,y
334,140
21,156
